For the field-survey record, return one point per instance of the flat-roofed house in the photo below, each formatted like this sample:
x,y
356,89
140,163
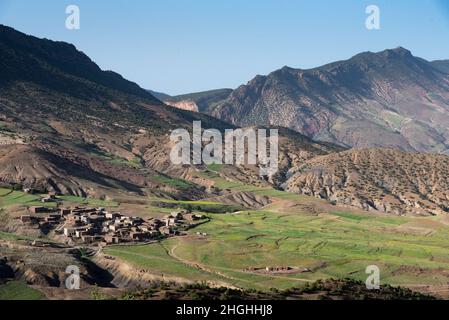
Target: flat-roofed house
x,y
88,239
26,219
138,235
112,215
69,232
37,209
110,239
65,212
81,233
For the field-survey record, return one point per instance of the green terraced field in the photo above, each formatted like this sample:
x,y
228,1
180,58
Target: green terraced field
x,y
200,206
409,251
158,261
16,290
11,236
340,247
174,182
10,197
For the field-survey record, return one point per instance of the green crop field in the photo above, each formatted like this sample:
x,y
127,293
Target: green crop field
x,y
10,197
200,206
16,290
15,237
157,260
409,251
174,182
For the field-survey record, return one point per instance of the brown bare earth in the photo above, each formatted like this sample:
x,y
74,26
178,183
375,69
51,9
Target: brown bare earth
x,y
375,99
377,179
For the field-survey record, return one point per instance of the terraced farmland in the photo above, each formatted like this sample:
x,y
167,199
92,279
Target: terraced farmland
x,y
17,290
10,197
311,239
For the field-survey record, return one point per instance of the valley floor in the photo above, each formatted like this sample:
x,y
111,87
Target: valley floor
x,y
303,246
291,242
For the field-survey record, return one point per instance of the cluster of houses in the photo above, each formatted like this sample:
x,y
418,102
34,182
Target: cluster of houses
x,y
98,226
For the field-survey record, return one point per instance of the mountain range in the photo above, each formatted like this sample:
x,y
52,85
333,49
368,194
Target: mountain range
x,y
385,99
358,133
67,126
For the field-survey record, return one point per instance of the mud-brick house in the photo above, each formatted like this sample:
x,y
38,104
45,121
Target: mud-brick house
x,y
69,232
88,239
168,231
193,217
26,219
53,218
65,212
73,218
37,209
177,214
115,227
171,222
154,233
138,235
157,223
110,239
135,221
147,227
113,215
82,232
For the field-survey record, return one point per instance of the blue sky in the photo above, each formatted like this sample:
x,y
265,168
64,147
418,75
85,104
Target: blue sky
x,y
180,46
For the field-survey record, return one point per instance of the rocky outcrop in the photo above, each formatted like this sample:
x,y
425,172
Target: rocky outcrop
x,y
188,105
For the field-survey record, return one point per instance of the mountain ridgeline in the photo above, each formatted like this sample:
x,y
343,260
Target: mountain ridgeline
x,y
56,65
386,99
442,65
67,126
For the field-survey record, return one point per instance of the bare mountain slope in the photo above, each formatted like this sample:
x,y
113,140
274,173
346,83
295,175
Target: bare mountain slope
x,y
69,126
385,99
377,179
72,172
87,131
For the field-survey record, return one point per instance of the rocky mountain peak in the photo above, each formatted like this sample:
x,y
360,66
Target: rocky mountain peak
x,y
389,98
